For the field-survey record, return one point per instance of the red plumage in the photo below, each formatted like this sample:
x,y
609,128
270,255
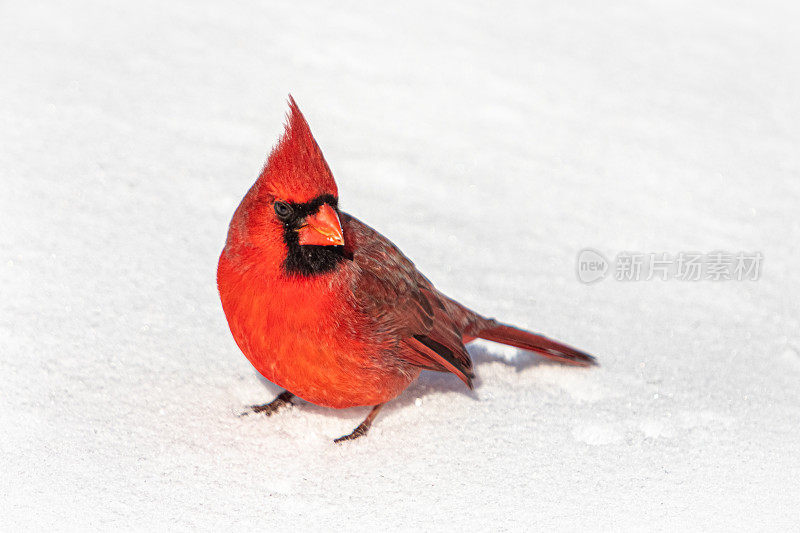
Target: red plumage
x,y
296,169
326,307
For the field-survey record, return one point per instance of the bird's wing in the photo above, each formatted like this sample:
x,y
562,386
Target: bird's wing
x,y
403,305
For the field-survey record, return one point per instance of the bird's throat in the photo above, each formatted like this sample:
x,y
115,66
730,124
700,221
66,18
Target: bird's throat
x,y
311,260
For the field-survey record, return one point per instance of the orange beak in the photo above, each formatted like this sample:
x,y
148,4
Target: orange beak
x,y
322,228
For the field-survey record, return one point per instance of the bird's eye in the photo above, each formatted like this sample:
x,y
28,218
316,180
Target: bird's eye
x,y
283,210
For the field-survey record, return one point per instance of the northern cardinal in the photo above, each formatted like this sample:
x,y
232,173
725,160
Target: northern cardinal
x,y
328,308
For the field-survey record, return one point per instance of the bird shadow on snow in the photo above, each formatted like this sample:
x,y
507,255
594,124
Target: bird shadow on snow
x,y
428,383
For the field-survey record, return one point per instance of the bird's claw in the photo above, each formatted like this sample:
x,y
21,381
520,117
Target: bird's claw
x,y
268,409
360,431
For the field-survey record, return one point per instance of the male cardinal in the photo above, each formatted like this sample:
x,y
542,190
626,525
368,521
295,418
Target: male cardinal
x,y
328,308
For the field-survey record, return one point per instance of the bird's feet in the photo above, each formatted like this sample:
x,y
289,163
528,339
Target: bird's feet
x,y
363,427
360,431
268,409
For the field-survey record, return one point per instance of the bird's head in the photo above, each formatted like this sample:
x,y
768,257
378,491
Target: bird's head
x,y
291,212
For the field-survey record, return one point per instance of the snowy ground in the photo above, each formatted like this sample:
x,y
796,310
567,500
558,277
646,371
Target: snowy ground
x,y
491,144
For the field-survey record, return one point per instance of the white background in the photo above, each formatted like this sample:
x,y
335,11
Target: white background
x,y
491,143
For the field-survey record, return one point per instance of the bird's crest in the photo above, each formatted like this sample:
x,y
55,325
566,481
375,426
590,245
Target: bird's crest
x,y
296,170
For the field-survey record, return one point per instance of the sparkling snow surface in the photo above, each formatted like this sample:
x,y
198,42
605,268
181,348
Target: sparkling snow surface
x,y
491,143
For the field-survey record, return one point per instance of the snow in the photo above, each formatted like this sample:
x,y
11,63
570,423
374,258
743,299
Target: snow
x,y
492,144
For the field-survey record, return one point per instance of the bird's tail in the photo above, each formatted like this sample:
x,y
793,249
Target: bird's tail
x,y
526,340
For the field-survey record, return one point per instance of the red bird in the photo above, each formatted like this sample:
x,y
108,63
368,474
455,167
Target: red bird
x,y
328,308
